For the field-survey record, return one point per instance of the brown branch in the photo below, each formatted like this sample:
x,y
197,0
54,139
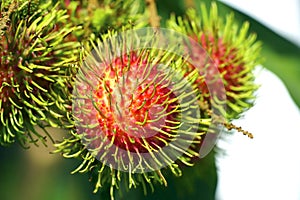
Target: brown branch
x,y
221,120
230,126
154,18
189,4
4,17
92,5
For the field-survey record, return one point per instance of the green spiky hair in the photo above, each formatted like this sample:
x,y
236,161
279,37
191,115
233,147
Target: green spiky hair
x,y
34,71
232,49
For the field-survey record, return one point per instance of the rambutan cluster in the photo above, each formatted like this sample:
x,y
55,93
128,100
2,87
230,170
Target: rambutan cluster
x,y
138,103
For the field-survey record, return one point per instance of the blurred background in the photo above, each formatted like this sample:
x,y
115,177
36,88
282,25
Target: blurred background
x,y
267,167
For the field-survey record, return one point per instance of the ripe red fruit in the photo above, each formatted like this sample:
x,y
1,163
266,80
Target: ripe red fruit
x,y
35,60
136,109
141,107
234,53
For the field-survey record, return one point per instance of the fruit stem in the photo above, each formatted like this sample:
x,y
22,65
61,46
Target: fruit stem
x,y
154,18
189,4
230,126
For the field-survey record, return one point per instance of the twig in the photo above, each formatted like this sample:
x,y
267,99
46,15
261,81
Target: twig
x,y
4,17
189,3
231,126
219,119
154,18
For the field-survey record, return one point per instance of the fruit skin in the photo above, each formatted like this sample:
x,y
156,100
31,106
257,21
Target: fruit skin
x,y
35,66
233,50
137,111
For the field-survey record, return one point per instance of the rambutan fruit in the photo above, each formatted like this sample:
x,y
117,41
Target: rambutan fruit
x,y
231,48
136,109
98,16
35,62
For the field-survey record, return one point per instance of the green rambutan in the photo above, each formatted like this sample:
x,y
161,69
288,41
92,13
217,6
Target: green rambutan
x,y
98,16
35,63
